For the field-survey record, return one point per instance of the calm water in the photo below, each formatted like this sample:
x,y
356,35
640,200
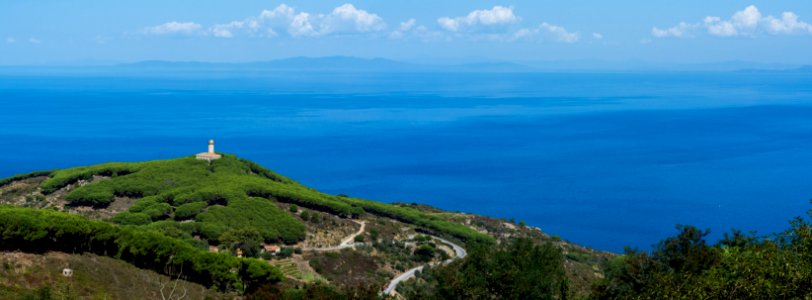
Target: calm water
x,y
604,160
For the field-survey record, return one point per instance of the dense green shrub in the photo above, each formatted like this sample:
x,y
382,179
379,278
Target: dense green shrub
x,y
152,208
424,252
260,214
520,269
264,172
95,195
189,210
44,230
131,218
172,229
225,181
62,178
737,267
248,240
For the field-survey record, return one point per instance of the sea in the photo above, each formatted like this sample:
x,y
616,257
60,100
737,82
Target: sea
x,y
607,160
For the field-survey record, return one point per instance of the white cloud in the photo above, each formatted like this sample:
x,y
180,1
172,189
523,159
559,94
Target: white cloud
x,y
747,22
597,36
405,27
560,33
347,18
747,18
410,29
11,40
173,28
478,19
679,31
284,19
547,30
788,24
34,40
225,30
717,27
281,11
300,25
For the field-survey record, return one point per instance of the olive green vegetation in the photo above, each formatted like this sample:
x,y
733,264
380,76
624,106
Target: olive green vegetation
x,y
520,269
739,266
38,231
272,223
225,193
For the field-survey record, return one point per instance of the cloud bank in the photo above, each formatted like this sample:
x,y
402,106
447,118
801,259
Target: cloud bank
x,y
498,23
286,20
173,27
480,19
748,22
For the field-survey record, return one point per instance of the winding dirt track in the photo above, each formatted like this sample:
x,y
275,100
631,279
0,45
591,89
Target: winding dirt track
x,y
458,251
347,242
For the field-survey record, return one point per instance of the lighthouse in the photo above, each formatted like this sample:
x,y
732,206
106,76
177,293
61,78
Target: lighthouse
x,y
210,155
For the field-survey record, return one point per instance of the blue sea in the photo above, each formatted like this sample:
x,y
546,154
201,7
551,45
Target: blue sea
x,y
605,160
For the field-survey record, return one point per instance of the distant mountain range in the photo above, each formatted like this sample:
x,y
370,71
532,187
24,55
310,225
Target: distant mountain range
x,y
332,63
355,64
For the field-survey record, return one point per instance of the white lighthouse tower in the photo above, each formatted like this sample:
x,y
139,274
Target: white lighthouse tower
x,y
210,155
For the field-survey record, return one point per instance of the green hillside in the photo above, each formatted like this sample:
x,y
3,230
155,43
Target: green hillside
x,y
210,223
224,194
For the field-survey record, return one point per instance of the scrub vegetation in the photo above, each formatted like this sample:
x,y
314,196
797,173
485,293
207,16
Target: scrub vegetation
x,y
225,193
227,224
40,231
739,266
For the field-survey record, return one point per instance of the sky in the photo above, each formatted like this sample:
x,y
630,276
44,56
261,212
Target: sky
x,y
79,32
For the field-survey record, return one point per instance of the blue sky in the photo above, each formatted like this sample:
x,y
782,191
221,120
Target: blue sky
x,y
100,32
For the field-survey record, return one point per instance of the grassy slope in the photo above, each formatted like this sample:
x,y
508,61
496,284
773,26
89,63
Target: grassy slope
x,y
33,276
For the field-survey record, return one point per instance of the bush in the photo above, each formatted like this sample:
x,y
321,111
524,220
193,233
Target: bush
x,y
96,196
63,178
285,252
189,210
226,180
737,267
258,214
519,269
151,207
129,218
44,230
424,252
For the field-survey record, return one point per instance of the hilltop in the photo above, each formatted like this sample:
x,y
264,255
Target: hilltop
x,y
235,227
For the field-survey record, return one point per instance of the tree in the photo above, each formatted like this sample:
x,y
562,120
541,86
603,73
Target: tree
x,y
521,269
168,288
688,252
249,240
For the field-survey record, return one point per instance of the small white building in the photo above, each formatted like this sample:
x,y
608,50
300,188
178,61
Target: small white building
x,y
67,272
210,155
271,249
